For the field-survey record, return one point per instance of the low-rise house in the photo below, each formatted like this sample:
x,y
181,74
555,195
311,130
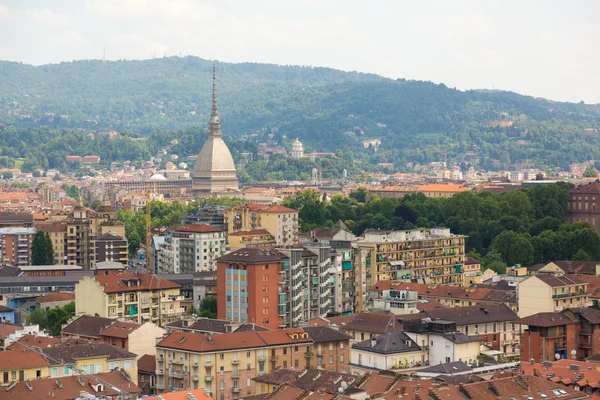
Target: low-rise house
x,y
5,331
331,347
549,292
21,365
75,355
29,341
85,327
396,302
389,351
48,301
106,385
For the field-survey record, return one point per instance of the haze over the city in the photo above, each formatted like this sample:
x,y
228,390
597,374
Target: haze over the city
x,y
540,48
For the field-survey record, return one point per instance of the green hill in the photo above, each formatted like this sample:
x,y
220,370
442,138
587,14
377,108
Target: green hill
x,y
327,109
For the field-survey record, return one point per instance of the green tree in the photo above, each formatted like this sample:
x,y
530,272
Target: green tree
x,y
581,255
208,307
42,252
498,266
52,320
590,173
360,194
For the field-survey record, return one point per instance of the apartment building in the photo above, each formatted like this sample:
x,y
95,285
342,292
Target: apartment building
x,y
279,221
571,334
135,297
549,292
15,245
584,205
225,364
250,238
192,248
396,302
58,233
434,256
250,287
111,247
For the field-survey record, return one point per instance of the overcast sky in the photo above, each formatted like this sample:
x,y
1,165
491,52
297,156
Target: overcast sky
x,y
543,48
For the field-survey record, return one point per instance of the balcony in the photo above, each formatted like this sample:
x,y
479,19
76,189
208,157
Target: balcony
x,y
208,363
195,378
235,375
208,378
160,371
236,389
262,358
274,358
235,362
175,374
177,361
309,354
160,386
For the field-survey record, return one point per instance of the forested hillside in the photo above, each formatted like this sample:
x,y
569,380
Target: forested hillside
x,y
327,109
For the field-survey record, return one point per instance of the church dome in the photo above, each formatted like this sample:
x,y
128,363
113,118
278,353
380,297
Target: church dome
x,y
158,177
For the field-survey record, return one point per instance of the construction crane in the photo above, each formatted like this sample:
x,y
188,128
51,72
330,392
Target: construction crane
x,y
149,229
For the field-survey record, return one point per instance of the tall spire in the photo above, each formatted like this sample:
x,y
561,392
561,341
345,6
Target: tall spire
x,y
214,124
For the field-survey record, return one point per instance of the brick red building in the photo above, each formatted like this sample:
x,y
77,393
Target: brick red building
x,y
248,286
584,204
552,333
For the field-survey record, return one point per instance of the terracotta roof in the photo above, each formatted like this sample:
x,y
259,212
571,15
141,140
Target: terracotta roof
x,y
246,327
253,255
545,319
251,232
51,226
590,187
287,392
87,326
198,394
129,282
202,325
429,304
199,228
68,352
442,188
373,322
32,340
329,381
4,309
120,329
70,387
281,336
57,296
147,363
591,315
7,329
21,359
279,209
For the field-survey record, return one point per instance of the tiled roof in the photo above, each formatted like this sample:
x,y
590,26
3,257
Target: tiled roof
x,y
4,309
120,329
545,319
198,394
590,187
147,363
323,334
32,340
246,327
329,381
448,368
555,281
201,325
70,387
252,232
7,329
373,322
57,296
200,343
133,282
278,209
87,326
21,359
253,255
390,343
68,353
287,392
442,188
474,314
459,338
278,377
281,336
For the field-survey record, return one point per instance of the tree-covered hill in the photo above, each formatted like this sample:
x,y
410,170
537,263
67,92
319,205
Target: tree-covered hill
x,y
327,109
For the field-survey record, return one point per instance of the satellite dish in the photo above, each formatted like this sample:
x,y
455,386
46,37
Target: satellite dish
x,y
557,356
344,385
573,352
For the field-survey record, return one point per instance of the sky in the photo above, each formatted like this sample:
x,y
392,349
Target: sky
x,y
545,48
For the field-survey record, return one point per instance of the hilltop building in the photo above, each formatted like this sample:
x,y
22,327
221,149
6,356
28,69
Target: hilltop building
x,y
215,172
297,149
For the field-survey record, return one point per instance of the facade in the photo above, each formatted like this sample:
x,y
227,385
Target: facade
x,y
435,256
205,285
250,238
20,365
15,245
549,293
135,297
111,247
396,302
584,205
192,248
225,364
297,149
138,339
441,190
58,234
250,288
279,221
215,171
147,374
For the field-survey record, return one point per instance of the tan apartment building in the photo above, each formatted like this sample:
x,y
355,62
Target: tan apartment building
x,y
224,364
250,238
548,293
279,221
135,297
434,256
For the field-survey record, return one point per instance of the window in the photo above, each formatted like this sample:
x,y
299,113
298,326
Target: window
x,y
342,358
85,369
284,351
330,359
330,346
222,356
5,377
53,372
92,369
261,367
248,355
284,364
447,359
66,371
248,367
248,382
222,384
127,364
221,370
13,375
113,364
296,363
295,349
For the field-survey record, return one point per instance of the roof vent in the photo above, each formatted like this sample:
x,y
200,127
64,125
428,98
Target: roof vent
x,y
80,380
28,384
59,383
